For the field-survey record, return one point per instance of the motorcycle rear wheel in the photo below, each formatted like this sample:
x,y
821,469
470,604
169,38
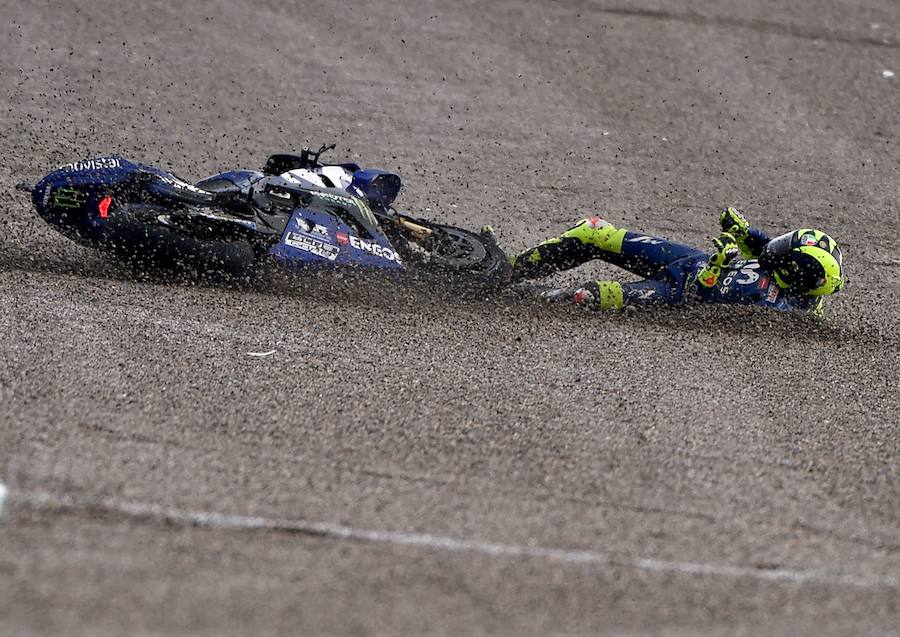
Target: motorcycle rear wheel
x,y
460,254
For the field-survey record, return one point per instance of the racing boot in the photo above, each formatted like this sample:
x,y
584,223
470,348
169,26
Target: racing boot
x,y
593,295
572,248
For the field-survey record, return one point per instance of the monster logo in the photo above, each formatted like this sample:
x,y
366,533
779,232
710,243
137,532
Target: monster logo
x,y
68,198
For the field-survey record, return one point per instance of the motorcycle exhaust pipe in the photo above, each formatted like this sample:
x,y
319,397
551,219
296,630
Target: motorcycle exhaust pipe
x,y
415,227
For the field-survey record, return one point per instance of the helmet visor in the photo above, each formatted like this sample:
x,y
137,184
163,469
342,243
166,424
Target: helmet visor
x,y
779,247
792,270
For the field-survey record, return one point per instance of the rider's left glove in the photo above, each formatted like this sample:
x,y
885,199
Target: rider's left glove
x,y
817,311
734,223
726,251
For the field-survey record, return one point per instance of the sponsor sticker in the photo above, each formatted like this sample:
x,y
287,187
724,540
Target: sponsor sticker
x,y
349,201
68,198
373,248
313,246
305,225
742,273
342,238
346,201
182,185
100,163
645,239
809,239
772,295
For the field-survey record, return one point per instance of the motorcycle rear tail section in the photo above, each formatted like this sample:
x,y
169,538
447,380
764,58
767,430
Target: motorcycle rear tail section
x,y
72,198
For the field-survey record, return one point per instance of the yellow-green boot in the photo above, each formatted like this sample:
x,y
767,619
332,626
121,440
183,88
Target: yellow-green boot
x,y
570,249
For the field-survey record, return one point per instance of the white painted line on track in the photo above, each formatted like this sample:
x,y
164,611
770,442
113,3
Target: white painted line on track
x,y
261,354
330,530
2,496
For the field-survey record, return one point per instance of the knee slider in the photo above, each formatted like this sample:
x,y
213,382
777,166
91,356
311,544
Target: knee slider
x,y
597,232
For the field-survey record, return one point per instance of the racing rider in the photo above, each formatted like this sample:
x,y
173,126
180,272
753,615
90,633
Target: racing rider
x,y
794,271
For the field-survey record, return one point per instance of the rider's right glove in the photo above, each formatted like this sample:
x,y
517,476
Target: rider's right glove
x,y
726,251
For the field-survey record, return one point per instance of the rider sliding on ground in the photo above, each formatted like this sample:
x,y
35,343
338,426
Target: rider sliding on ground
x,y
794,271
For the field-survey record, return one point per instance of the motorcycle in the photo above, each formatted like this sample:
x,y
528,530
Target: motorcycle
x,y
298,213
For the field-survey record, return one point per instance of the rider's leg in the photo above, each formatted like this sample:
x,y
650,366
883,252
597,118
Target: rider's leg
x,y
596,238
573,247
613,295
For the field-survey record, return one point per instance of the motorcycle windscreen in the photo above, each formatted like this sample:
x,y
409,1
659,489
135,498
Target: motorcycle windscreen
x,y
316,238
378,187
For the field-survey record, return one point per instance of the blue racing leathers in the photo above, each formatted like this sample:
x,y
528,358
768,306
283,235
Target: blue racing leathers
x,y
670,270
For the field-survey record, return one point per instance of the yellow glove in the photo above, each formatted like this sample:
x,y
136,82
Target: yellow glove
x,y
817,311
734,223
726,250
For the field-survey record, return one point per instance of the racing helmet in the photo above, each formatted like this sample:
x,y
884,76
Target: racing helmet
x,y
804,261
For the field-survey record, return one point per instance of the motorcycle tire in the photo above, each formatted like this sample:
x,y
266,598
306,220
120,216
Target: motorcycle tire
x,y
464,255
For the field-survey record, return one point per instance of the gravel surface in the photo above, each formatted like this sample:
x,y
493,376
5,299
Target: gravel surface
x,y
418,461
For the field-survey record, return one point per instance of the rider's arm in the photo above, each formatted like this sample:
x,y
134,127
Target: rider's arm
x,y
753,243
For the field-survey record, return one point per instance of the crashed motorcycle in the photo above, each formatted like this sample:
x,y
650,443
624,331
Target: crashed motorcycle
x,y
298,214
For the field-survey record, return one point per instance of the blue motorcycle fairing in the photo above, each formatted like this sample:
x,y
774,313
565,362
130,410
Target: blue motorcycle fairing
x,y
68,198
318,239
71,198
230,181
